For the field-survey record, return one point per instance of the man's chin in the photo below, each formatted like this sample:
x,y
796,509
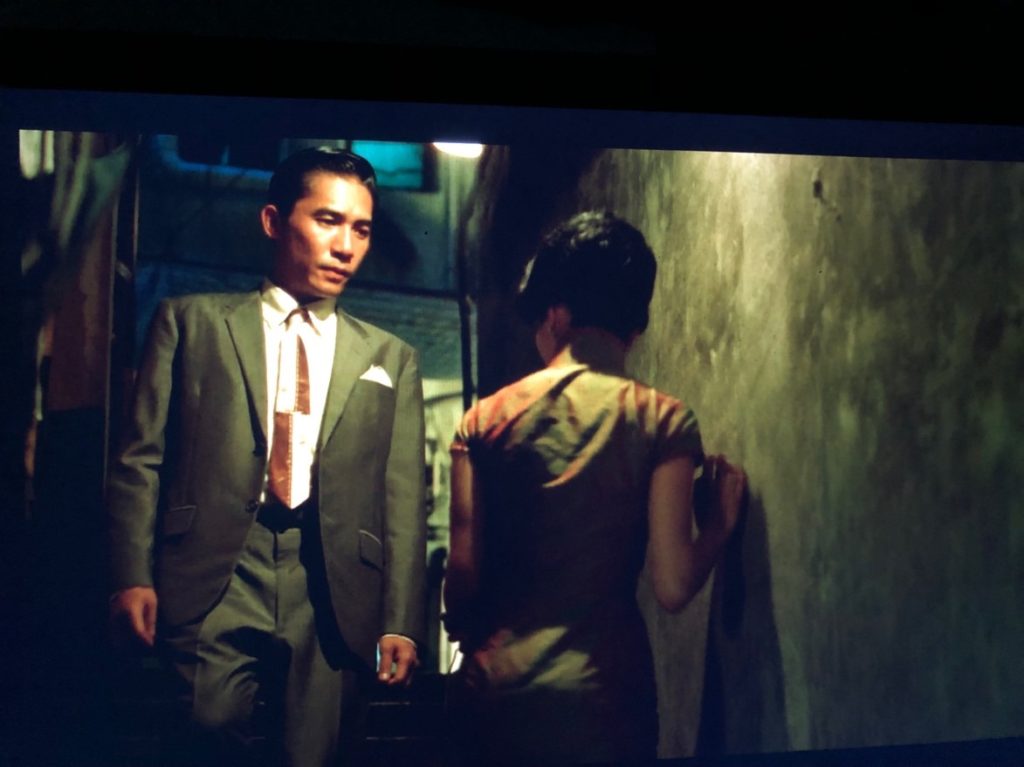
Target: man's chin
x,y
330,290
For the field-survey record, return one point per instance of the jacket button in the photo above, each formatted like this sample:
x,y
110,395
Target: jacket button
x,y
252,507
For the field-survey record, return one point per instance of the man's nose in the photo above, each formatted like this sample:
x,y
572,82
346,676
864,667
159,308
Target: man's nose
x,y
342,244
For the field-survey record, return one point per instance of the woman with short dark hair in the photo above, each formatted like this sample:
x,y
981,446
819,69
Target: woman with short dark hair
x,y
562,483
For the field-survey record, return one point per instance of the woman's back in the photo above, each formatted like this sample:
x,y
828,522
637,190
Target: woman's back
x,y
559,662
556,480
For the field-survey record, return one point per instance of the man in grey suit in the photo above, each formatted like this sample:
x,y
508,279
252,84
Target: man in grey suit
x,y
266,513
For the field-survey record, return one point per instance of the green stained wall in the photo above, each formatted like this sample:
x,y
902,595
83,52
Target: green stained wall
x,y
852,331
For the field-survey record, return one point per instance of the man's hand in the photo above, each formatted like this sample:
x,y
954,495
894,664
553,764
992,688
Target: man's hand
x,y
134,611
397,660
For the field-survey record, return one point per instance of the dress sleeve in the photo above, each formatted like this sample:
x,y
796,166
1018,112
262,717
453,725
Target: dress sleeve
x,y
678,433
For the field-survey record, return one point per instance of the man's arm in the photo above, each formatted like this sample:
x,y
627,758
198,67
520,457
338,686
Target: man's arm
x,y
134,483
404,529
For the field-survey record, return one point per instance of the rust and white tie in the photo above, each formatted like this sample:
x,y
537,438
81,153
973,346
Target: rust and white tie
x,y
288,475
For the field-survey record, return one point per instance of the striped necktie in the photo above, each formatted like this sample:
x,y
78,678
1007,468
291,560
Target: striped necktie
x,y
284,479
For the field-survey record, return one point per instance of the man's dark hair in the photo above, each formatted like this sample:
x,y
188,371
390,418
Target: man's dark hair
x,y
291,178
598,266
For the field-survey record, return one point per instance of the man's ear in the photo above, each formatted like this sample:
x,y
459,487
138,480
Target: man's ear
x,y
561,319
271,220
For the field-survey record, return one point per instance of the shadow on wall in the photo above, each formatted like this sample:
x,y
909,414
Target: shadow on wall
x,y
521,192
744,701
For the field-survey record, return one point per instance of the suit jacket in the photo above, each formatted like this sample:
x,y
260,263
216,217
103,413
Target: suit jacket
x,y
186,487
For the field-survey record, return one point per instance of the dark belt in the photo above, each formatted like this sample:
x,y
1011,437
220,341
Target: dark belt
x,y
277,517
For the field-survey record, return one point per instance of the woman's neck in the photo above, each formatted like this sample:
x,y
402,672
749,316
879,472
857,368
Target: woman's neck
x,y
593,347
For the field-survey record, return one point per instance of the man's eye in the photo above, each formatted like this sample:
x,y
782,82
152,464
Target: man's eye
x,y
362,232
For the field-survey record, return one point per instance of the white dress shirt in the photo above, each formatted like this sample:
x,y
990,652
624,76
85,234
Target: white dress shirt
x,y
320,336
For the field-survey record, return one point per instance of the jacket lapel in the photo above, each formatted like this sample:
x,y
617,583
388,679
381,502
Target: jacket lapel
x,y
351,359
245,324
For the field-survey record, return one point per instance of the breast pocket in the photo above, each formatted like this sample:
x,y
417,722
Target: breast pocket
x,y
374,406
374,388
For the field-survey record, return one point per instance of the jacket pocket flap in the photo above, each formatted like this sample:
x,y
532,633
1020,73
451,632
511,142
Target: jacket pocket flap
x,y
177,520
371,550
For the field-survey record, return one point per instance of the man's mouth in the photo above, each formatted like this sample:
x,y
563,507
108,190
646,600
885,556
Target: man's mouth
x,y
336,274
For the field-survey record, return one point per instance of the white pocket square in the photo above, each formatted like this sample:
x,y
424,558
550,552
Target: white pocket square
x,y
377,374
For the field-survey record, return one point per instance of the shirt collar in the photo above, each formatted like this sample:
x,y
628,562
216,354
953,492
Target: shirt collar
x,y
279,303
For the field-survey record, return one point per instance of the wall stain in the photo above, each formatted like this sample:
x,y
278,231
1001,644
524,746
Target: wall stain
x,y
818,191
990,331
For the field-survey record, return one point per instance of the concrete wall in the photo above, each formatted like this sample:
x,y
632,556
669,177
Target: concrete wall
x,y
852,331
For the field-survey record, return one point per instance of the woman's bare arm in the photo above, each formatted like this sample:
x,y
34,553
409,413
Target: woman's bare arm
x,y
679,563
462,577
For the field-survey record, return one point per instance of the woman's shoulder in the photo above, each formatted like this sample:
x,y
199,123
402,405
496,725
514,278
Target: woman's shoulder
x,y
657,402
491,411
667,419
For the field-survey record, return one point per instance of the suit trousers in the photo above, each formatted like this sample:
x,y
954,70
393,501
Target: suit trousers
x,y
263,677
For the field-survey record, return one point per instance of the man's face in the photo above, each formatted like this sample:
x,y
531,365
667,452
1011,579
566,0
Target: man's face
x,y
322,243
